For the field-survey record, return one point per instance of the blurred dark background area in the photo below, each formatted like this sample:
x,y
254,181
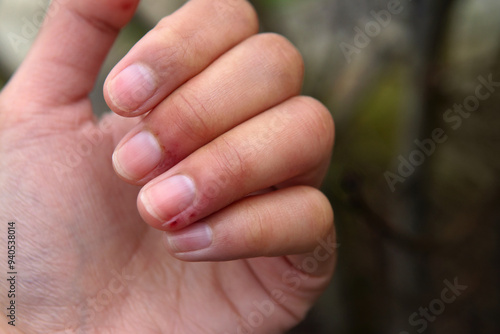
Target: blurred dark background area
x,y
414,87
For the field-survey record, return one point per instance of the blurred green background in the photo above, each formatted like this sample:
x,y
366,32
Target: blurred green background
x,y
413,179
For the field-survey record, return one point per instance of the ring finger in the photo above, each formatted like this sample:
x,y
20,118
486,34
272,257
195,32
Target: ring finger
x,y
283,143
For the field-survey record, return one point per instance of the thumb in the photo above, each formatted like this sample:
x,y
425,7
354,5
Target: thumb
x,y
62,66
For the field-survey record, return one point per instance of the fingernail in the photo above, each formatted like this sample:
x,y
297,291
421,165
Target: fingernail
x,y
168,198
193,238
138,156
132,87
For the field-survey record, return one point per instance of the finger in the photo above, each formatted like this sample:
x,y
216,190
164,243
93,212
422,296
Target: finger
x,y
265,70
288,221
277,145
64,62
180,47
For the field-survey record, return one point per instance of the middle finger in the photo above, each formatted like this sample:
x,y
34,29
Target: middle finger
x,y
258,74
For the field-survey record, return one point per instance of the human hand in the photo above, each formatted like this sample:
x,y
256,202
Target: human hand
x,y
226,121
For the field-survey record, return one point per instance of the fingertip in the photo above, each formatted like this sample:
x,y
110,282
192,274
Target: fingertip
x,y
128,90
191,243
146,211
165,202
137,156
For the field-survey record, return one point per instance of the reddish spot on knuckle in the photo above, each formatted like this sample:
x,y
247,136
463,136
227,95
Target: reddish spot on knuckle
x,y
122,5
126,6
107,16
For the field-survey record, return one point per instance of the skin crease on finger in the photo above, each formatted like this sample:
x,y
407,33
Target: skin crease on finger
x,y
88,263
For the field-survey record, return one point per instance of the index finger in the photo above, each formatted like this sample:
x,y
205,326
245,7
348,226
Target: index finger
x,y
177,49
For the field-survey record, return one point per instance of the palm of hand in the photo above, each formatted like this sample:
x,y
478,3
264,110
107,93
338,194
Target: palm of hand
x,y
108,270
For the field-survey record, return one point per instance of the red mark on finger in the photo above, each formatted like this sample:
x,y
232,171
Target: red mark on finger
x,y
126,6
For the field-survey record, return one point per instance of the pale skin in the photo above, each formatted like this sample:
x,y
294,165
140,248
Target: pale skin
x,y
164,237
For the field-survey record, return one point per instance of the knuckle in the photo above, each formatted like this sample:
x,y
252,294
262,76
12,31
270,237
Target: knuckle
x,y
190,115
318,213
240,12
256,236
324,221
186,41
177,44
317,121
230,163
280,58
237,14
180,44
